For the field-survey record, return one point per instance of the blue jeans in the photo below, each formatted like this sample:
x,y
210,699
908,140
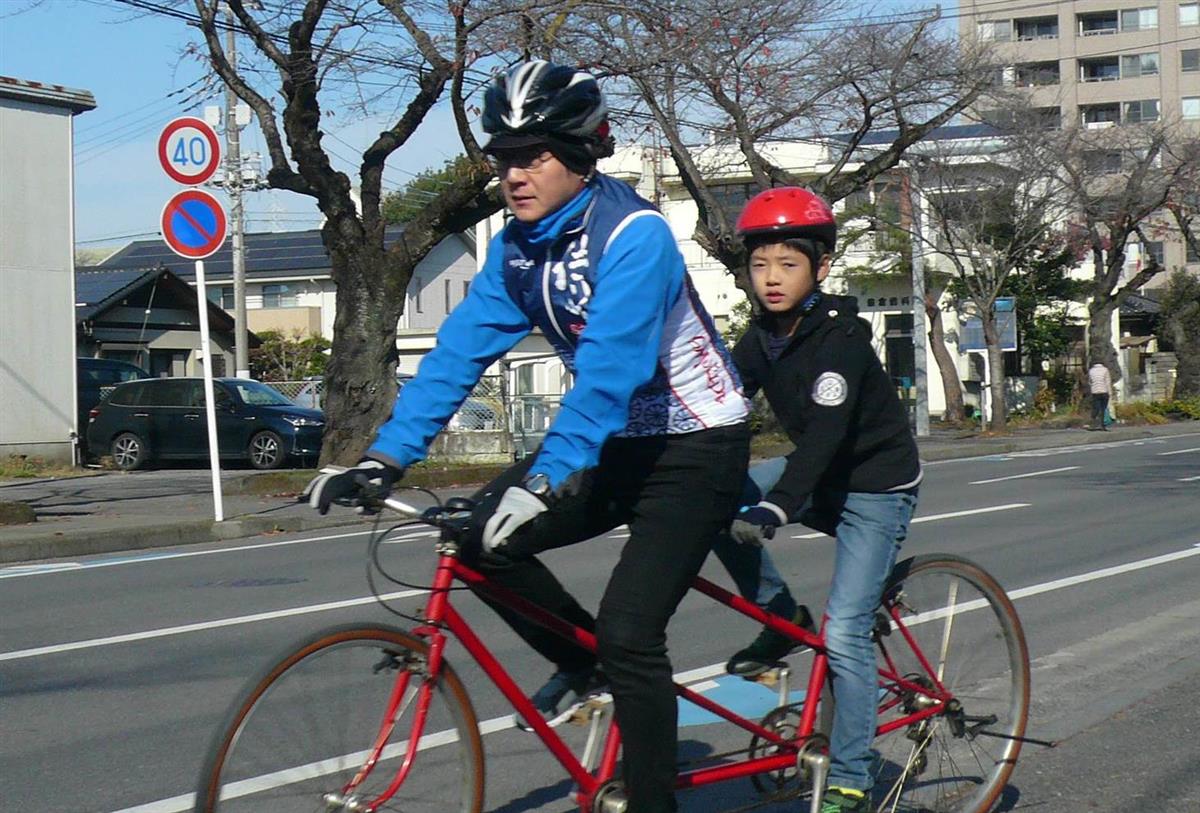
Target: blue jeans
x,y
870,529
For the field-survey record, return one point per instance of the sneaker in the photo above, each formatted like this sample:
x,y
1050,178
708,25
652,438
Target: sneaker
x,y
765,652
842,800
583,684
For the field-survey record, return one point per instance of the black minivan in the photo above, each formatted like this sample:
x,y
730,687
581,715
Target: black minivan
x,y
163,418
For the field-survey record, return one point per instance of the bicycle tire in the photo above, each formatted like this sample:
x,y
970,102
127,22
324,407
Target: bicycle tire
x,y
967,628
303,729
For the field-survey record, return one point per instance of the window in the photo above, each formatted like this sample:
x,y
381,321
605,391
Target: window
x,y
1191,107
130,394
1189,13
995,31
1107,69
417,293
466,287
1099,24
255,393
446,289
1193,251
1033,74
1153,250
1143,111
221,295
1095,116
1139,19
1133,65
1048,118
1102,162
1037,28
1189,60
169,392
279,296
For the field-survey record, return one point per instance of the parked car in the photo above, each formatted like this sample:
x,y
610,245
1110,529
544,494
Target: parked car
x,y
91,377
163,419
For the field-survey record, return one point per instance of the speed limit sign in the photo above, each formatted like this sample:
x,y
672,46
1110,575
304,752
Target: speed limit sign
x,y
189,151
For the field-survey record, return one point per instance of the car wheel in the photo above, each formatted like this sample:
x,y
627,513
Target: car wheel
x,y
128,451
266,451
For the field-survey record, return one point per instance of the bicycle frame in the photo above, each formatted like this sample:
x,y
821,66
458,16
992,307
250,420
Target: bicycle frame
x,y
443,621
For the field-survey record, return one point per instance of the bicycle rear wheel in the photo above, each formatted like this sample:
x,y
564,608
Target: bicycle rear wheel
x,y
303,732
973,648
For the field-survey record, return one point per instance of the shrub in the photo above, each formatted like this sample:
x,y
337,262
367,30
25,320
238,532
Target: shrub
x,y
1187,409
1140,412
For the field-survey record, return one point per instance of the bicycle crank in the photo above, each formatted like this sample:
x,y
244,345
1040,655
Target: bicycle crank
x,y
610,798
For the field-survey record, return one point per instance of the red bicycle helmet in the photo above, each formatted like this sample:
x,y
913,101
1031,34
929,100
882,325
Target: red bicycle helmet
x,y
788,211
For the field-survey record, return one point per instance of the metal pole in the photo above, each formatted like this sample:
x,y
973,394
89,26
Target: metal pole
x,y
920,372
210,404
233,185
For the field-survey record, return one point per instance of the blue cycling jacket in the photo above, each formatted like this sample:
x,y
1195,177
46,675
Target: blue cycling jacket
x,y
603,279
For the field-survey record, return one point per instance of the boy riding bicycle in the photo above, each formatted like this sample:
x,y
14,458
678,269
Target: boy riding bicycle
x,y
854,472
653,433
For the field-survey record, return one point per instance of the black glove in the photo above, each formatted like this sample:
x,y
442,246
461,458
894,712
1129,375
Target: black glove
x,y
755,524
361,486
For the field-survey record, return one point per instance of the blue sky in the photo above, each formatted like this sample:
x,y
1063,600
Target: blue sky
x,y
131,63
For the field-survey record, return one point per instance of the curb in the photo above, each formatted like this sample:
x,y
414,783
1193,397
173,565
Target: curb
x,y
50,544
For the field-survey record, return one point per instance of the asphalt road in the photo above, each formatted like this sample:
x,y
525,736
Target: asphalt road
x,y
114,670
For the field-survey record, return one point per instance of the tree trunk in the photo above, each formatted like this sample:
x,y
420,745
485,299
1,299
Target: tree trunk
x,y
360,381
995,361
1099,335
951,385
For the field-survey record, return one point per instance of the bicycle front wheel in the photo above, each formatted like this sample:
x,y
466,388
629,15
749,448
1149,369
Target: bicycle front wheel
x,y
331,727
955,645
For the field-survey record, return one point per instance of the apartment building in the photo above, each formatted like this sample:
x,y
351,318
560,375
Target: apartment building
x,y
1098,64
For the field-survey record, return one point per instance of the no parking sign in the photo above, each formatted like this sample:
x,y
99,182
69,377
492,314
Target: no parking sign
x,y
193,224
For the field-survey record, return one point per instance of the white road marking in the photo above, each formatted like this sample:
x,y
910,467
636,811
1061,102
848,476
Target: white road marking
x,y
163,632
17,571
1001,457
698,679
951,515
1178,451
1020,476
1189,479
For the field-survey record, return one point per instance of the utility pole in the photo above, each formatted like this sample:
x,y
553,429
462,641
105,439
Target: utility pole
x,y
920,372
233,185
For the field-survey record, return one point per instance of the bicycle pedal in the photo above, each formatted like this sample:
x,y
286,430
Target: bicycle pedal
x,y
582,710
772,677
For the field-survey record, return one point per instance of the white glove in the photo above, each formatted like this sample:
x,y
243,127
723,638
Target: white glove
x,y
370,480
517,507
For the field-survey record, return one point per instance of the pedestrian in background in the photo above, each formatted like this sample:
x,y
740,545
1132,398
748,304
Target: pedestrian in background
x,y
1100,386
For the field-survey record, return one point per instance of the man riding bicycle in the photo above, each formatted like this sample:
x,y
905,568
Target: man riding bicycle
x,y
653,433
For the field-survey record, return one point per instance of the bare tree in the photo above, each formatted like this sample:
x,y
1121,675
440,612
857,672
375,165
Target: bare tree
x,y
1121,181
988,211
727,84
312,59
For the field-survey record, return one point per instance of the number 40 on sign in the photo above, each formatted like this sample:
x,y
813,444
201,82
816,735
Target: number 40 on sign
x,y
189,151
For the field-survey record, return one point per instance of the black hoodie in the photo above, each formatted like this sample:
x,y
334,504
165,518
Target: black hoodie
x,y
836,403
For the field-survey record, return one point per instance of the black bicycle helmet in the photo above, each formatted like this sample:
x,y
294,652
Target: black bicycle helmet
x,y
542,103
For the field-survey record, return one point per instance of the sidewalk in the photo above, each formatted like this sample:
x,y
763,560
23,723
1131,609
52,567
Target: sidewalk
x,y
123,511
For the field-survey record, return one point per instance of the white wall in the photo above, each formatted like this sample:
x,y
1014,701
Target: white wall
x,y
37,308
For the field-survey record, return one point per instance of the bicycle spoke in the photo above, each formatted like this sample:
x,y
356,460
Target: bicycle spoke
x,y
974,668
309,736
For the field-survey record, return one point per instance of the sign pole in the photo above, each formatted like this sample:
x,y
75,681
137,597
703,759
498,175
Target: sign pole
x,y
210,406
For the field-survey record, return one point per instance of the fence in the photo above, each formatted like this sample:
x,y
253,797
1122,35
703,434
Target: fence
x,y
487,409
